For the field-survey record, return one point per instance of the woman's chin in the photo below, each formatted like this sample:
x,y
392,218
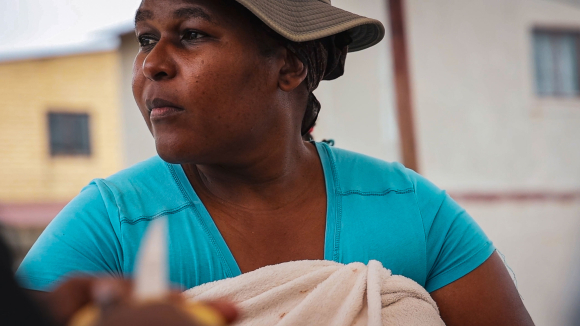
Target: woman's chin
x,y
170,158
172,154
185,154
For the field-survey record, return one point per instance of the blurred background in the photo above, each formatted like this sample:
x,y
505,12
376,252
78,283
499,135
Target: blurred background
x,y
480,96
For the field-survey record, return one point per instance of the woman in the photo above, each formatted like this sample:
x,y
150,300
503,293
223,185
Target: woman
x,y
227,97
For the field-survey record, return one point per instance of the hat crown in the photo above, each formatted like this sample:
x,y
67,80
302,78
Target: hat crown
x,y
295,21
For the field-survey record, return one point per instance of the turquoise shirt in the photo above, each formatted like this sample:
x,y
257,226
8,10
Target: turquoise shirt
x,y
375,210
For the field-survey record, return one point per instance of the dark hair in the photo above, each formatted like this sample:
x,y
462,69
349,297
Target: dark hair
x,y
324,59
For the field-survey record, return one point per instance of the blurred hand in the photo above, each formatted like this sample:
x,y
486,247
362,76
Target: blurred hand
x,y
115,300
156,314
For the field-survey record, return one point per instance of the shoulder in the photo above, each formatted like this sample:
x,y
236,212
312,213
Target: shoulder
x,y
142,190
452,242
359,172
150,170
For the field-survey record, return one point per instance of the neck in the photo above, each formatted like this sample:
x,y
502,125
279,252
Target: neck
x,y
272,178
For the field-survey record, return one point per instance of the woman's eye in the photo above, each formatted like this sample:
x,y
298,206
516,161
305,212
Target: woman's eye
x,y
192,35
146,41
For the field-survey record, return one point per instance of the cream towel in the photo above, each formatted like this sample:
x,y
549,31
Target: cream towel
x,y
324,293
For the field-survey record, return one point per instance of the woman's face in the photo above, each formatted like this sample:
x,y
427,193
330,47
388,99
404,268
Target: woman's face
x,y
203,86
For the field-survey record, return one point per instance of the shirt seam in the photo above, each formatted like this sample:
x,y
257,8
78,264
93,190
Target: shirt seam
x,y
121,240
338,200
334,170
463,262
26,278
156,216
200,219
179,185
424,231
377,193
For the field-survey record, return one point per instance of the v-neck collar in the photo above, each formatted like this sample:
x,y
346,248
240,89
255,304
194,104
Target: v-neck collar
x,y
330,240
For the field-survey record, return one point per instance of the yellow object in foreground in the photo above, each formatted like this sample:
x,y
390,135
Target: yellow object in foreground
x,y
87,316
202,315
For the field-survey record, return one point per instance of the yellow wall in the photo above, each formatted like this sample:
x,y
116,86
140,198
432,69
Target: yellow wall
x,y
28,90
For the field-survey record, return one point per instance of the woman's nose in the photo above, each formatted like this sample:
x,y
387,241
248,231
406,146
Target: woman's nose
x,y
159,64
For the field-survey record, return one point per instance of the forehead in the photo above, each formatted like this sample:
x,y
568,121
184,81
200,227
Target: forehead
x,y
165,3
209,10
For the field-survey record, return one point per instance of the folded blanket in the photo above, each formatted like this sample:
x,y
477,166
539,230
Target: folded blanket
x,y
324,293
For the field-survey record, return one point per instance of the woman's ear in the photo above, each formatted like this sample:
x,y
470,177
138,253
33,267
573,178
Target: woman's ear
x,y
292,73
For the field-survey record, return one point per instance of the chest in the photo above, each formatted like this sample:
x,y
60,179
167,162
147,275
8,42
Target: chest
x,y
261,238
356,229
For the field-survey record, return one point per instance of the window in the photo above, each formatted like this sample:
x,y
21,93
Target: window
x,y
557,55
69,134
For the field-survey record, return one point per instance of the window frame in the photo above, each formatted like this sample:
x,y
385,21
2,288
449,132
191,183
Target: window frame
x,y
84,148
555,31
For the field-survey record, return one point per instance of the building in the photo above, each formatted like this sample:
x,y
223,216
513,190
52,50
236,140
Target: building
x,y
59,129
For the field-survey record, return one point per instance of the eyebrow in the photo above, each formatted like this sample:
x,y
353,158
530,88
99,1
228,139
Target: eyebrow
x,y
182,13
143,15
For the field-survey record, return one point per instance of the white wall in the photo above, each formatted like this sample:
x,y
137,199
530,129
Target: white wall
x,y
358,108
482,129
479,124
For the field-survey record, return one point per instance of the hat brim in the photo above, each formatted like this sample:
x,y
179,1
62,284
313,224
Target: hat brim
x,y
307,20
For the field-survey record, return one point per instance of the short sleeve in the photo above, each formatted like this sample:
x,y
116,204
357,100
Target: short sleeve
x,y
82,239
455,244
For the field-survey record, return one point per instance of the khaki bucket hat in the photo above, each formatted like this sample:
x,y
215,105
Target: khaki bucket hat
x,y
307,20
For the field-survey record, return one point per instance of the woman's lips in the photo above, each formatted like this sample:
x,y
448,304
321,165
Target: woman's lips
x,y
160,109
164,112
